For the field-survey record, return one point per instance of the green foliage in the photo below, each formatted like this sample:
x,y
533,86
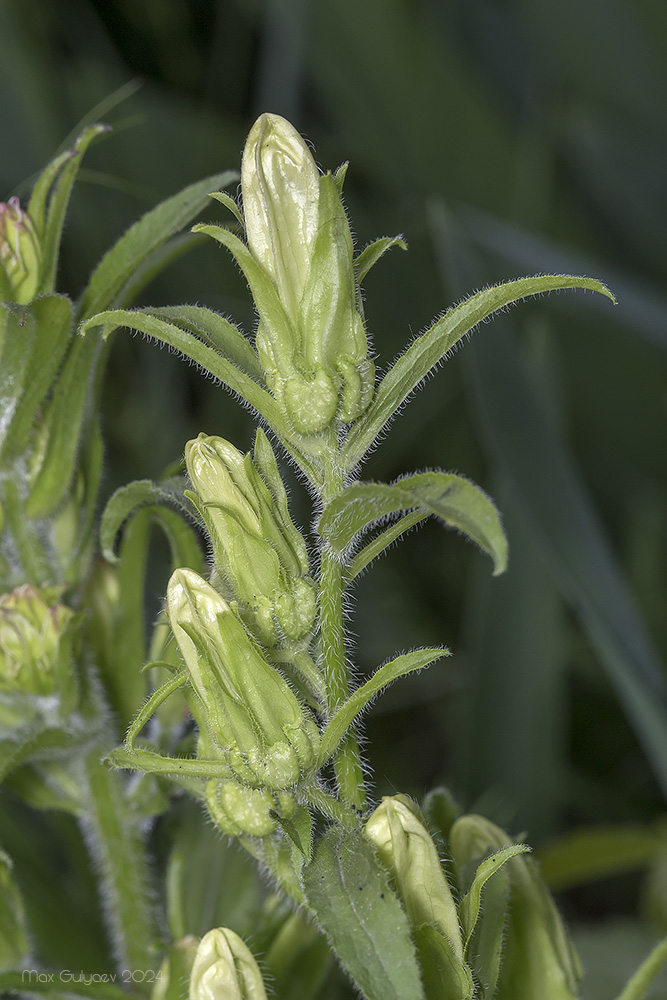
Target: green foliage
x,y
559,655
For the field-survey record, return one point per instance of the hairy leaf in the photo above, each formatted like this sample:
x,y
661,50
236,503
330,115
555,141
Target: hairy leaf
x,y
451,498
348,891
429,349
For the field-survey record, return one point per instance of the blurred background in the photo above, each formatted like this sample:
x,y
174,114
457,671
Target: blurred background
x,y
501,138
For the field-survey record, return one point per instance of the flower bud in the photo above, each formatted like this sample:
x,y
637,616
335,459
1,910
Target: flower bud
x,y
252,713
311,341
240,811
20,253
280,185
34,640
407,850
539,959
224,969
257,548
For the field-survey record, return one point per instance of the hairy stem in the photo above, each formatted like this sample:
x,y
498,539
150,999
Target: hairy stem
x,y
347,767
115,842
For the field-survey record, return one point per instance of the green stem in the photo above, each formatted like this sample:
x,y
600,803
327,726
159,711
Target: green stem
x,y
347,767
116,844
329,806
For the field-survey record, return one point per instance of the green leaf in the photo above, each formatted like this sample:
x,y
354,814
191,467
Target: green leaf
x,y
127,500
154,228
58,202
51,317
371,254
647,972
216,331
56,987
486,950
264,293
451,498
64,417
16,346
402,665
40,192
430,348
470,904
140,759
348,891
213,362
443,974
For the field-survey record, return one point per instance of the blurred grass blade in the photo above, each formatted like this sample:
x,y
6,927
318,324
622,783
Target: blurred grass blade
x,y
429,349
548,494
600,852
641,308
45,327
153,229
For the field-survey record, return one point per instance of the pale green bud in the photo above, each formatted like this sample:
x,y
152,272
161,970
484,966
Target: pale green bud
x,y
280,186
252,713
20,253
34,640
312,343
539,959
225,969
240,811
407,851
257,548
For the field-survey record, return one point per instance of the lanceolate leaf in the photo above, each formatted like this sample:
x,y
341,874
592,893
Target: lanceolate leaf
x,y
217,332
407,663
151,231
469,909
58,201
347,890
429,349
51,317
453,499
211,361
128,499
64,418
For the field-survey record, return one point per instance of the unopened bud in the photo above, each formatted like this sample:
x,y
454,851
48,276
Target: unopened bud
x,y
252,713
34,640
225,969
312,344
240,811
407,851
280,185
257,548
20,253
